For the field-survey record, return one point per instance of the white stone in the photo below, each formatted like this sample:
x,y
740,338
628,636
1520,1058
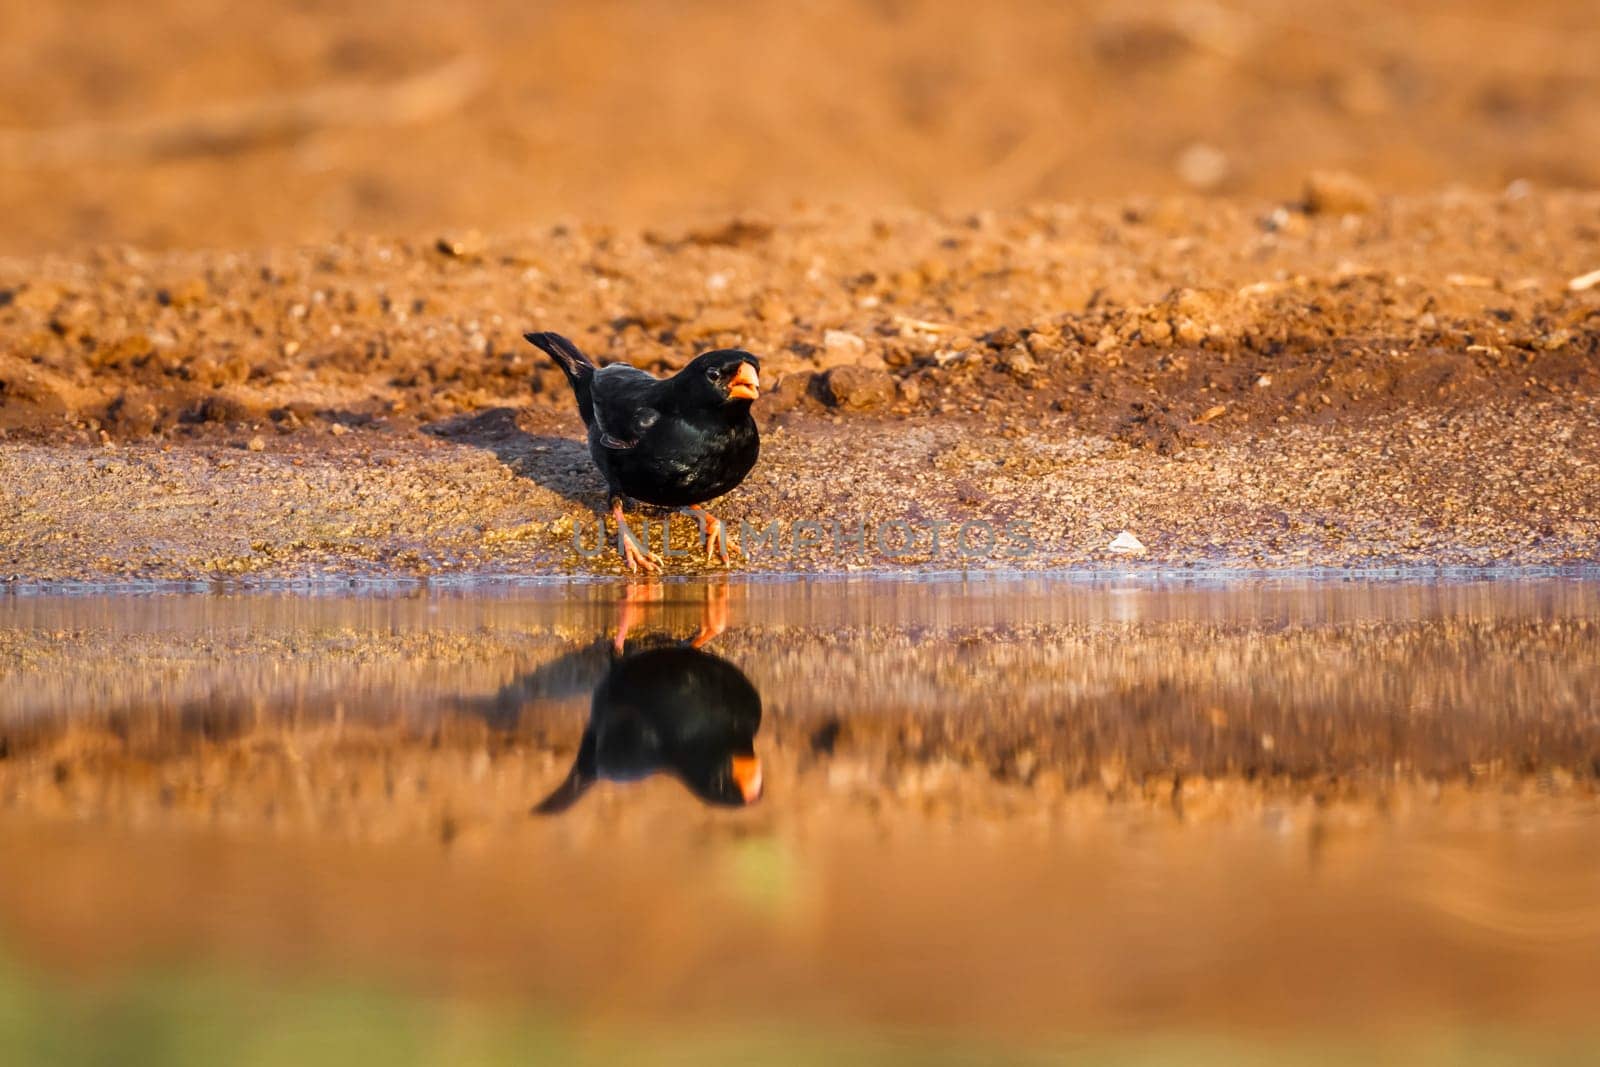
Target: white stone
x,y
1125,544
1584,281
841,345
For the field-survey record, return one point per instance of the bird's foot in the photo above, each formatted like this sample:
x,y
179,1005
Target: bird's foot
x,y
636,557
715,533
636,554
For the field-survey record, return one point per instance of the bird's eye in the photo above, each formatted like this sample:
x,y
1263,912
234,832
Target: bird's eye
x,y
714,373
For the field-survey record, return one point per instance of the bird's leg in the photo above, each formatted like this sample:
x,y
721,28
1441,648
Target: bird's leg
x,y
635,553
634,597
713,530
714,619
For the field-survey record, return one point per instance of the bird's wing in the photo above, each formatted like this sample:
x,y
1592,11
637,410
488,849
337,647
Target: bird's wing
x,y
625,401
562,678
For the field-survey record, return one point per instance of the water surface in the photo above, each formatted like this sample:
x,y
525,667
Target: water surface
x,y
1017,808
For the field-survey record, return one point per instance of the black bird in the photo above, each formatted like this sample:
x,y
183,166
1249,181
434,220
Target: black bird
x,y
674,442
677,710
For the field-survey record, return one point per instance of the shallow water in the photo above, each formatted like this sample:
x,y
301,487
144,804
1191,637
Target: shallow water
x,y
1019,808
1292,680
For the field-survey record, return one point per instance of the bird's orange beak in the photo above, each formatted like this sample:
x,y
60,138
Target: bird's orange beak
x,y
746,384
747,773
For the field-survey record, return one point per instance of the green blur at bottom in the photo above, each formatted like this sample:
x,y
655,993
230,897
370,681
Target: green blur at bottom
x,y
191,1020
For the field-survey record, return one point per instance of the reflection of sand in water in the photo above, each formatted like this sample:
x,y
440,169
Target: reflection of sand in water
x,y
386,717
1485,888
1026,807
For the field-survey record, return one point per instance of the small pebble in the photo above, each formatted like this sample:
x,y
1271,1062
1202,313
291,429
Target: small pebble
x,y
1337,192
1203,166
859,387
843,346
1125,544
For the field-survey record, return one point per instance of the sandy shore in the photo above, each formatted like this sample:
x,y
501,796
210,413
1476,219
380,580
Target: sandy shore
x,y
1239,384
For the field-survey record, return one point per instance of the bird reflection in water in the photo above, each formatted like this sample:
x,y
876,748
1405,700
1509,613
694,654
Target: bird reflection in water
x,y
669,708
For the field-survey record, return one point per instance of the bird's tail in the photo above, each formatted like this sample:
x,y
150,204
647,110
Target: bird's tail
x,y
566,794
577,781
578,368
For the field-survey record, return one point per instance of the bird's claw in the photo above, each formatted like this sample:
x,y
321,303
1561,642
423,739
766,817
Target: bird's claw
x,y
638,559
716,541
714,530
637,556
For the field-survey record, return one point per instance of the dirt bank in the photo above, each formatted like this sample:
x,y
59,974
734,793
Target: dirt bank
x,y
1243,383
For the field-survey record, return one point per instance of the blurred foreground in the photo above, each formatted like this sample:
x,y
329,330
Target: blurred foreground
x,y
1235,820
